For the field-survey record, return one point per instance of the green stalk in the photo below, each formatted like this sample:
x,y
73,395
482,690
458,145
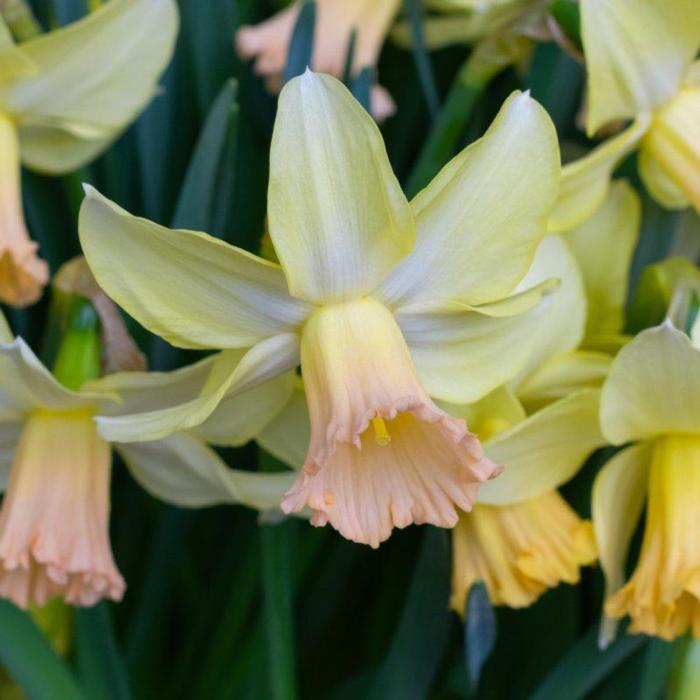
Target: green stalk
x,y
488,59
79,358
685,679
20,19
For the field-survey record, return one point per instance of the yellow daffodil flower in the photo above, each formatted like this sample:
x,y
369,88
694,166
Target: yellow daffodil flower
x,y
55,470
64,97
268,42
522,537
639,60
384,304
652,399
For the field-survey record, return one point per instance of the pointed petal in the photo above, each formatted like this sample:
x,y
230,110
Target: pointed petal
x,y
636,54
562,374
618,496
193,290
240,417
653,387
463,352
560,320
182,470
338,218
230,375
545,450
287,437
603,246
585,182
482,217
27,384
94,76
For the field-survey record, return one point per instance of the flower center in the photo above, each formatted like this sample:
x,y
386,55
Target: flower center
x,y
381,432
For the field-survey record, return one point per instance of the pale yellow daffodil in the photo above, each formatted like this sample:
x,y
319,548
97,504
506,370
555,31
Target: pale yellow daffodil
x,y
521,537
268,42
64,97
55,471
383,304
639,60
652,399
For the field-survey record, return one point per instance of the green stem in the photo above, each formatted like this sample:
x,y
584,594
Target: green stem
x,y
685,679
79,358
20,19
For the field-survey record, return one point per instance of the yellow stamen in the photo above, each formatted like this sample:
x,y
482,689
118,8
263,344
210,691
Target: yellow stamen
x,y
381,432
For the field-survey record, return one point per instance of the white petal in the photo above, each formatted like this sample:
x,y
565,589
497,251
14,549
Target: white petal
x,y
181,469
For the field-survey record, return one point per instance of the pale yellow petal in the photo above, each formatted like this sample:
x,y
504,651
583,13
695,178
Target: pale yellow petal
x,y
182,470
192,289
585,181
242,416
26,384
287,436
603,246
482,217
545,450
653,387
560,320
619,492
562,374
463,352
230,374
636,54
93,77
338,218
14,63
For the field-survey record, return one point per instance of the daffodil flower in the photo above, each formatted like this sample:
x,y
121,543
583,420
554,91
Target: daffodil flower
x,y
268,42
55,470
64,97
384,304
522,537
652,400
639,61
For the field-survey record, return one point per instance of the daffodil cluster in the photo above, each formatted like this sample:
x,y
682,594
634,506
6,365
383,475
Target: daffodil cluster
x,y
450,359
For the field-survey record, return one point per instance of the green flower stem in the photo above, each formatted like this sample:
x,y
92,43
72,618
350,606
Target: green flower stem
x,y
79,358
488,59
20,19
685,680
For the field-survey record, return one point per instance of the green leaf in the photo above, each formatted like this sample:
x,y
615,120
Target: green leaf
x,y
277,545
100,662
585,666
362,85
302,44
658,659
479,632
414,13
196,199
421,635
31,661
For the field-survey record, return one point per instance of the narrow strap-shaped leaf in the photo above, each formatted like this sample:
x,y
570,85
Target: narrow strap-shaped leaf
x,y
100,661
361,86
658,660
584,666
29,659
414,12
302,44
194,204
479,632
421,635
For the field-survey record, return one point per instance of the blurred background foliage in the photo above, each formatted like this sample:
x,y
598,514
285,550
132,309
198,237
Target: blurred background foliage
x,y
219,607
